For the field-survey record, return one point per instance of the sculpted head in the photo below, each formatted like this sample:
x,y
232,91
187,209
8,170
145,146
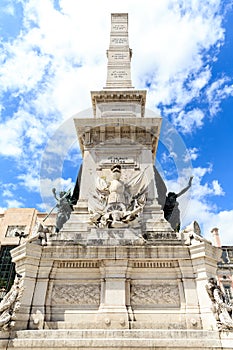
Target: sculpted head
x,y
212,283
171,194
116,171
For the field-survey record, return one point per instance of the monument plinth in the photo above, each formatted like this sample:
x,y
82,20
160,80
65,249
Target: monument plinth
x,y
115,274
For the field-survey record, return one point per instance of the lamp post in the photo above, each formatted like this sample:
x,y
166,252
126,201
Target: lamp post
x,y
20,235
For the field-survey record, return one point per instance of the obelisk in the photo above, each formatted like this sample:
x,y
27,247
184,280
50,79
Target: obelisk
x,y
119,54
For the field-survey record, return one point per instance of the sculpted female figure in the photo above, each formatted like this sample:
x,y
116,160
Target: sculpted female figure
x,y
221,307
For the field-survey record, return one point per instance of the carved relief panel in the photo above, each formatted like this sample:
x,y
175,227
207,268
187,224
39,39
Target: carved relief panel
x,y
154,295
76,294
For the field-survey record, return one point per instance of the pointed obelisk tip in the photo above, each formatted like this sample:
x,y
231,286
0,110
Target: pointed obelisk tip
x,y
119,54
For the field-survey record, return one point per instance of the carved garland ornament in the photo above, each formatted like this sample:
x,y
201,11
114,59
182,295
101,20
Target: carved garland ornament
x,y
78,294
155,294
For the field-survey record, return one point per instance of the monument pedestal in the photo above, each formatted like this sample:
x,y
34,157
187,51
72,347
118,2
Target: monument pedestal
x,y
116,296
121,286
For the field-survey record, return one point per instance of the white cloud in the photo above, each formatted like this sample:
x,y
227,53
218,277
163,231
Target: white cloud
x,y
23,70
10,141
31,181
2,210
7,193
41,207
201,80
208,218
60,184
21,134
189,121
8,8
14,203
217,189
223,220
217,92
191,154
200,189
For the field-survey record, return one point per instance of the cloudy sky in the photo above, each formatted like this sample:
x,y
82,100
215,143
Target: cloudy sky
x,y
53,54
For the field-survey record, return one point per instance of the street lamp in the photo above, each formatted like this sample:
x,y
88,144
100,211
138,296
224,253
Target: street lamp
x,y
20,235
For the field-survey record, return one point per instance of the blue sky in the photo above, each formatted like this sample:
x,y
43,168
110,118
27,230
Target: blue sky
x,y
53,54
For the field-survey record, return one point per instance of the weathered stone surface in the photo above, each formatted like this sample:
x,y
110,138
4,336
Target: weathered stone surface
x,y
139,286
118,339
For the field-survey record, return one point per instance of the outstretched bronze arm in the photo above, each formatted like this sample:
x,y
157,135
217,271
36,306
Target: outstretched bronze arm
x,y
186,188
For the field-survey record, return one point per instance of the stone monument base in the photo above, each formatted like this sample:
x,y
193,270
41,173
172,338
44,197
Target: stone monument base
x,y
101,296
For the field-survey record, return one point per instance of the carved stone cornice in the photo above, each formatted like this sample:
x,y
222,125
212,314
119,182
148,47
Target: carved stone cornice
x,y
97,131
122,96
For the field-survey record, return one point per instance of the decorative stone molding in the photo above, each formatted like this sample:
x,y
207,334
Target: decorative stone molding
x,y
78,264
78,294
112,134
155,264
120,130
113,96
155,295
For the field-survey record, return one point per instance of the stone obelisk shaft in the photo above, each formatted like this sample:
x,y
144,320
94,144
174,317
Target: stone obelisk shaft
x,y
119,54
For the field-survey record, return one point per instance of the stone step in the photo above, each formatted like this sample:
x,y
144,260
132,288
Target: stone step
x,y
117,333
118,339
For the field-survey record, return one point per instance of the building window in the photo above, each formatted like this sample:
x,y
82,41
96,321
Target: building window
x,y
12,229
230,252
227,289
7,270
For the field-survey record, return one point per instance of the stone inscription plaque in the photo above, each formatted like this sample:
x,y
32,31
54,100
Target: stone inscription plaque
x,y
119,41
119,27
119,74
119,56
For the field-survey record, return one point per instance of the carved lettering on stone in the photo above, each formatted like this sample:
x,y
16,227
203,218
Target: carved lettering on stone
x,y
165,294
119,27
79,294
119,41
118,74
119,56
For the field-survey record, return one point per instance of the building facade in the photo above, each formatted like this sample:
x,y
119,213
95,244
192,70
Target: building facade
x,y
225,266
16,226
